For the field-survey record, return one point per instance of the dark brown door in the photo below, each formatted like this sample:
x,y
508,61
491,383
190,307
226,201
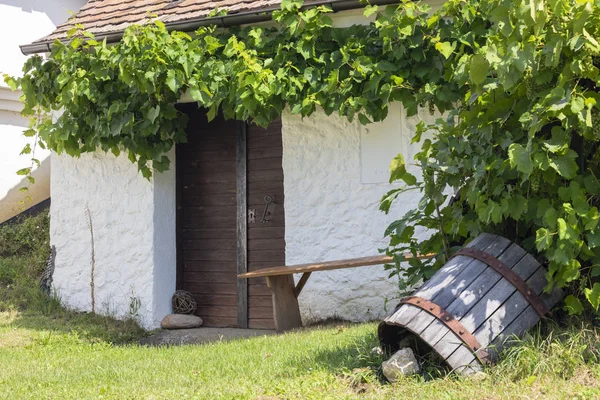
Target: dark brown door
x,y
206,181
266,236
207,217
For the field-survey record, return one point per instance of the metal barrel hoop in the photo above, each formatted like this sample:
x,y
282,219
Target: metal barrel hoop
x,y
451,323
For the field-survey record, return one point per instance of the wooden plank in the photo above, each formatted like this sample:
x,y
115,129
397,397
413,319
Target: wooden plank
x,y
208,300
301,283
513,317
452,268
255,266
508,310
261,311
274,129
194,165
473,293
263,188
266,255
262,301
464,277
212,200
214,222
323,266
264,164
214,244
464,362
193,187
286,311
266,152
205,276
266,244
198,289
221,143
259,290
270,175
418,321
208,233
497,296
212,266
451,275
209,255
242,228
202,177
218,321
201,213
469,297
223,155
267,232
260,323
262,142
408,315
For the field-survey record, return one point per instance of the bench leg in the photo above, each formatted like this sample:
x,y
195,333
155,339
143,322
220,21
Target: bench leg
x,y
285,304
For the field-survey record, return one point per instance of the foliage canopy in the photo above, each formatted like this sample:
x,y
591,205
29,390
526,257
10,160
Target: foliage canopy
x,y
516,81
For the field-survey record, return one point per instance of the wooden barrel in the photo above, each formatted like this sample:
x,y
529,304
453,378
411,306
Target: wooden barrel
x,y
489,291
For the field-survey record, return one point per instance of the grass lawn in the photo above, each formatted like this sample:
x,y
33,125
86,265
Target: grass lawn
x,y
41,358
47,352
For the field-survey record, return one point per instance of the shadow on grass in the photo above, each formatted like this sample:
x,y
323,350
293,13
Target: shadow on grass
x,y
354,357
29,308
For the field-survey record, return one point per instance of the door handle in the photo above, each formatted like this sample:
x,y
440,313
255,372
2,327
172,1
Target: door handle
x,y
268,201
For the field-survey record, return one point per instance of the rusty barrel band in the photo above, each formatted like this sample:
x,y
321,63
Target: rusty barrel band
x,y
453,324
508,274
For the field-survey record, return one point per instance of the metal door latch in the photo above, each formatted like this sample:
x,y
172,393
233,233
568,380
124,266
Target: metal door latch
x,y
268,201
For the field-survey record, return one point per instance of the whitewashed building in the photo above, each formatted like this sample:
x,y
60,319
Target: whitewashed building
x,y
22,21
325,177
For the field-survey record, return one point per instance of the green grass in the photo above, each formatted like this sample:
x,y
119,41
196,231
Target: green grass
x,y
332,362
48,352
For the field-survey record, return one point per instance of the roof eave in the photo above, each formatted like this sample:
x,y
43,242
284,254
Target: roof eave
x,y
242,18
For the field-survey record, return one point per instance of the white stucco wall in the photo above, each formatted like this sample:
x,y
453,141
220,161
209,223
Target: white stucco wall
x,y
134,235
331,214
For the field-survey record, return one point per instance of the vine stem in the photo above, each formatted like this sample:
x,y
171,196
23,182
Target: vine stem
x,y
93,257
444,237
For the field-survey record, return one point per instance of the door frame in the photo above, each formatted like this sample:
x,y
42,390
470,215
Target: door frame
x,y
242,221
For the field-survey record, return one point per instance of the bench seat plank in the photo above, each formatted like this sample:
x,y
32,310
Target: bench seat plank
x,y
325,266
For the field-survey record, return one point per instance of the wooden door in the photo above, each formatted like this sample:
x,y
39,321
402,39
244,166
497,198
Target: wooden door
x,y
206,183
211,191
266,237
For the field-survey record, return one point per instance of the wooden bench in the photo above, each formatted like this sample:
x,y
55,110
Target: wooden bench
x,y
280,281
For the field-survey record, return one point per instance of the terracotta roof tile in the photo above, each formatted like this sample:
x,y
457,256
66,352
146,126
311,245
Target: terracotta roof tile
x,y
113,16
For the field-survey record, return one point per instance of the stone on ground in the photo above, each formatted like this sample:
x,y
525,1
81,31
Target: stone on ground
x,y
403,362
181,321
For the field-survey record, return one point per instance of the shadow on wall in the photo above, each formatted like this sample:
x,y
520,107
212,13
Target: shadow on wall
x,y
56,10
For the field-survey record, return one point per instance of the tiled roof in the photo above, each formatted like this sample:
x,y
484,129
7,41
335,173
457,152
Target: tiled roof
x,y
102,17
